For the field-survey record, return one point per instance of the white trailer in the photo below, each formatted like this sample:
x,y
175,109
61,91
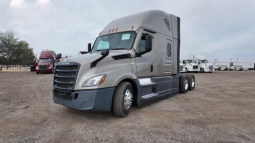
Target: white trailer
x,y
203,64
190,65
246,65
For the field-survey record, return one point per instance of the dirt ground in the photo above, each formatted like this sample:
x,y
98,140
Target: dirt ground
x,y
220,109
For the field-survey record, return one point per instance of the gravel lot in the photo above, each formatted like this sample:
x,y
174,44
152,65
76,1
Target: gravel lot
x,y
220,109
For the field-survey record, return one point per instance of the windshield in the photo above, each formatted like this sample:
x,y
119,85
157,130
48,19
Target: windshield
x,y
189,61
203,61
116,41
45,61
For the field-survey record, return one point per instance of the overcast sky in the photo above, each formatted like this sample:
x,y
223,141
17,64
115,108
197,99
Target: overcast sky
x,y
219,29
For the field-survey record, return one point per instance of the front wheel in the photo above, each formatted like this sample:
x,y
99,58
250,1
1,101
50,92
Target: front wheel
x,y
123,99
201,70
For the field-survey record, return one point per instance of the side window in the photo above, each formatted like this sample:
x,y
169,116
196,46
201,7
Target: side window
x,y
141,46
168,50
167,24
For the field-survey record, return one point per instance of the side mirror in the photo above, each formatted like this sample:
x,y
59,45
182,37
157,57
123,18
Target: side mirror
x,y
89,47
105,52
83,52
58,56
148,43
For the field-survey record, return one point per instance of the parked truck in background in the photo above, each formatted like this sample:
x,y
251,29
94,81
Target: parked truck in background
x,y
232,68
217,68
182,67
47,62
203,64
135,60
190,65
238,67
223,67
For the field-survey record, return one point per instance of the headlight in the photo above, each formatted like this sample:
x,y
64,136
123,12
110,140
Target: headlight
x,y
94,81
51,66
37,67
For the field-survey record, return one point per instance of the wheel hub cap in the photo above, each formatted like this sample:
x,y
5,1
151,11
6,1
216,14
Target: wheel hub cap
x,y
128,99
186,84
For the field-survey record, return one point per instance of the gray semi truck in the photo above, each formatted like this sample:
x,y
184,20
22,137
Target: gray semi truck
x,y
134,60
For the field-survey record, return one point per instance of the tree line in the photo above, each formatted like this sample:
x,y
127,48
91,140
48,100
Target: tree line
x,y
14,51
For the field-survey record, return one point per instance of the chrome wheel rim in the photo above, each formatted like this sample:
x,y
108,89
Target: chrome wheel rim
x,y
186,84
128,99
193,83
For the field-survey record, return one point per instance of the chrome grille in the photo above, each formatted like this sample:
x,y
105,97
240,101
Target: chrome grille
x,y
64,80
43,67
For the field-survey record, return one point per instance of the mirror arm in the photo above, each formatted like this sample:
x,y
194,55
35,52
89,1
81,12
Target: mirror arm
x,y
137,54
94,63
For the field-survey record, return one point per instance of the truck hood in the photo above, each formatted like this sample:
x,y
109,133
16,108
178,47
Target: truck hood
x,y
90,57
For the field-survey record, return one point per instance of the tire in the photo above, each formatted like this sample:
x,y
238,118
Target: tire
x,y
184,84
191,82
37,72
202,70
186,70
122,100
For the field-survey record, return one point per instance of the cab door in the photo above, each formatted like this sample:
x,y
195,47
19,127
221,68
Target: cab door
x,y
145,64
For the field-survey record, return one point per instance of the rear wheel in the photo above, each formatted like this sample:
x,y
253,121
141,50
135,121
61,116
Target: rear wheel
x,y
184,84
123,98
191,81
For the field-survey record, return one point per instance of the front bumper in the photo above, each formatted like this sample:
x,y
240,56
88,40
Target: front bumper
x,y
44,71
98,99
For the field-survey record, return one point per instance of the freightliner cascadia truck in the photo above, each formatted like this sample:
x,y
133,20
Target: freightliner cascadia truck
x,y
134,60
47,62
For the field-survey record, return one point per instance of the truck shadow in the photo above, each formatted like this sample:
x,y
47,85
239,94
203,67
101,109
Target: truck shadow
x,y
97,115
